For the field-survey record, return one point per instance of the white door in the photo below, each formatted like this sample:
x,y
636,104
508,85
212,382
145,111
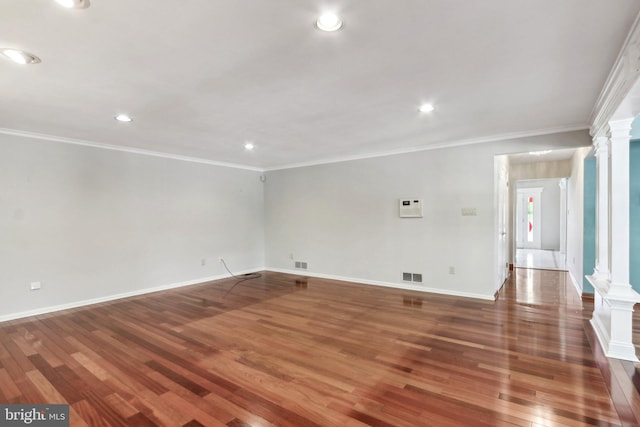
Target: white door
x,y
528,217
503,195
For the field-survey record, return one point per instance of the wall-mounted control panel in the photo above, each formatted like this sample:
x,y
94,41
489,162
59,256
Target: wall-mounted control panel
x,y
410,208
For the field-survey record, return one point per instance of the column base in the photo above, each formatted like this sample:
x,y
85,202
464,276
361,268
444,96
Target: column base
x,y
612,319
613,349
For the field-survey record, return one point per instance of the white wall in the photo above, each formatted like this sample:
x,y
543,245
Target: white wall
x,y
91,223
575,206
94,224
550,218
342,218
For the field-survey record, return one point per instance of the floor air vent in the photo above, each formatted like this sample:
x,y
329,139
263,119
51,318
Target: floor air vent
x,y
412,277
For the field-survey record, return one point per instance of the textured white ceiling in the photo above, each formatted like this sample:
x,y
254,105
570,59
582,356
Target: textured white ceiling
x,y
201,77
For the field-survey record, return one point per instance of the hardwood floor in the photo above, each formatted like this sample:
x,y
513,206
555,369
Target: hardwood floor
x,y
540,259
284,350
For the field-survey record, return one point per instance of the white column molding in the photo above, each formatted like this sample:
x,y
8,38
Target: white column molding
x,y
602,271
614,297
612,322
620,139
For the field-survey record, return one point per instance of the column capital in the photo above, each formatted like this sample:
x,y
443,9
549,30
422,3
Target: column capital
x,y
562,183
601,144
619,129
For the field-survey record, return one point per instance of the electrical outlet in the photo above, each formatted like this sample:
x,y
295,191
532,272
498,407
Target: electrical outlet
x,y
35,286
220,259
452,270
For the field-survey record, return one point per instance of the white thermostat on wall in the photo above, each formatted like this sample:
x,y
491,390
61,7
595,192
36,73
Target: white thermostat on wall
x,y
410,208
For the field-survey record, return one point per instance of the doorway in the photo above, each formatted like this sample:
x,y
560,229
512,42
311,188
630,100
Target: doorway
x,y
540,224
528,218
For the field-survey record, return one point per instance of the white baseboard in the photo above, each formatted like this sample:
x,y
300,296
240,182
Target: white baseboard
x,y
409,287
107,298
575,282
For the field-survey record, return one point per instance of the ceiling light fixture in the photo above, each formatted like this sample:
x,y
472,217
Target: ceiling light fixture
x,y
539,153
329,22
74,4
20,56
123,118
249,146
426,108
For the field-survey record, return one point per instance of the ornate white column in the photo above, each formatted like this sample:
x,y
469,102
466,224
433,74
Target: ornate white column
x,y
601,271
620,140
614,297
613,114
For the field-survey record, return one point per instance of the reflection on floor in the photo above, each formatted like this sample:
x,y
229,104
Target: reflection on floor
x,y
542,287
545,289
540,259
549,302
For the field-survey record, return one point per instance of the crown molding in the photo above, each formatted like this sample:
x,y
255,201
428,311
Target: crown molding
x,y
414,149
45,137
621,79
436,146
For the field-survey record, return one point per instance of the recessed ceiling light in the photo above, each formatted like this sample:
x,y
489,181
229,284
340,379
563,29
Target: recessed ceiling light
x,y
73,4
123,118
426,108
329,22
249,146
20,56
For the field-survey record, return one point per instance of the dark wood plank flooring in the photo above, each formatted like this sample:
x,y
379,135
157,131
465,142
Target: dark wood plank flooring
x,y
289,351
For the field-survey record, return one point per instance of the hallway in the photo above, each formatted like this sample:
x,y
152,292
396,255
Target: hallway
x,y
540,259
